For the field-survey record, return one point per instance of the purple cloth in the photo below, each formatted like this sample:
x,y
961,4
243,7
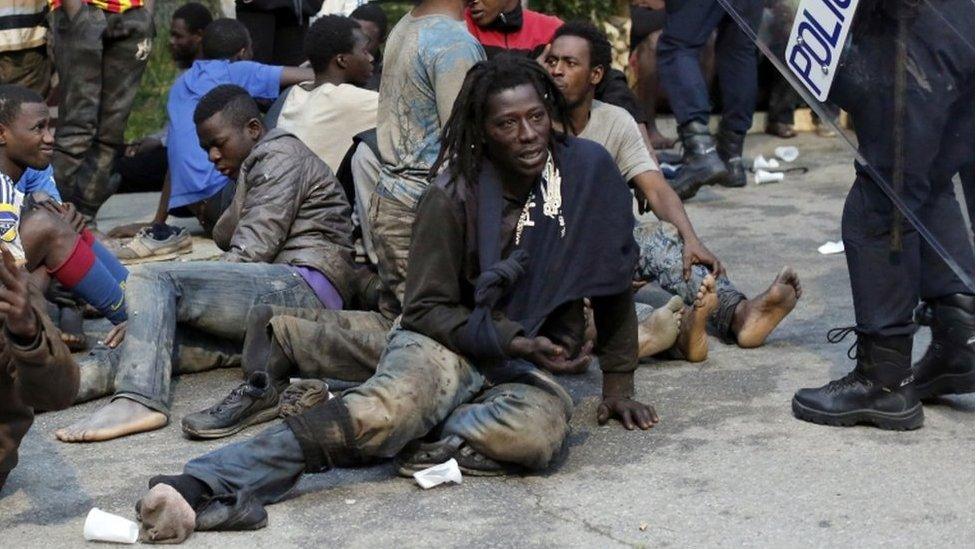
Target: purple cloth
x,y
322,286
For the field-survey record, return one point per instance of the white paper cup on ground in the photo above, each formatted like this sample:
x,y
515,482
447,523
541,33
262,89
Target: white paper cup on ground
x,y
102,526
788,153
762,177
439,474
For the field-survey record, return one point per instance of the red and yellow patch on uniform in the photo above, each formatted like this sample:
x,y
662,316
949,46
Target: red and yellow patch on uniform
x,y
114,6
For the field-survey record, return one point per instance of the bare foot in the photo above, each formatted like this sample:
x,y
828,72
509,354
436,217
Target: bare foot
x,y
692,340
756,318
164,516
658,331
658,141
116,419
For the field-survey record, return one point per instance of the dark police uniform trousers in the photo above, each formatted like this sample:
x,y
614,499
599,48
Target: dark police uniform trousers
x,y
938,143
688,25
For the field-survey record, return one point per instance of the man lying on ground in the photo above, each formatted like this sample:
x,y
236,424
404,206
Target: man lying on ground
x,y
428,53
196,187
49,236
672,255
516,204
286,236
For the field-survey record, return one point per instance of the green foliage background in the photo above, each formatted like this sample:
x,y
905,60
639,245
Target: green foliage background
x,y
149,110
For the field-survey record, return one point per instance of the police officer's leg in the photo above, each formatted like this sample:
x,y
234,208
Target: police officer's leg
x,y
687,27
736,66
947,367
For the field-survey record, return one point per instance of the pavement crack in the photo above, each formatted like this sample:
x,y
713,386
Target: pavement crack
x,y
574,519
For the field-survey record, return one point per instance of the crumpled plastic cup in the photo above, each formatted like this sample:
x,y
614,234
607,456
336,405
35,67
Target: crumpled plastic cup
x,y
788,153
762,177
102,526
439,474
761,163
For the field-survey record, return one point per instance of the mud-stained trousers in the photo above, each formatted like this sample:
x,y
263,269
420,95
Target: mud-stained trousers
x,y
99,79
314,343
661,262
419,386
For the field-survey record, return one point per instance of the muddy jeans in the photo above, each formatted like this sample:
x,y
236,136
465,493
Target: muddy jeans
x,y
661,262
319,343
391,226
99,79
419,385
209,297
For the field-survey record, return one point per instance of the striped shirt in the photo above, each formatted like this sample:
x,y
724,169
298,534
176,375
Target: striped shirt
x,y
22,24
114,6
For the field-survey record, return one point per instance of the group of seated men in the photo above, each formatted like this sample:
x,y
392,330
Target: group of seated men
x,y
493,200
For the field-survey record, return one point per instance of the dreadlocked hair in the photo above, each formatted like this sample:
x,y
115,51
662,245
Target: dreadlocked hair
x,y
462,139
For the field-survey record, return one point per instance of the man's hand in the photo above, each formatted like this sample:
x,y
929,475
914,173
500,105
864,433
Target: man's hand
x,y
140,146
551,357
115,336
65,211
14,302
631,413
697,254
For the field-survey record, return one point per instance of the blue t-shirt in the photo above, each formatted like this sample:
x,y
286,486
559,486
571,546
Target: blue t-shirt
x,y
192,176
39,180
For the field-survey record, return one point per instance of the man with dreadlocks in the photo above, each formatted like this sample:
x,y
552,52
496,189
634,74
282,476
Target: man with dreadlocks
x,y
486,319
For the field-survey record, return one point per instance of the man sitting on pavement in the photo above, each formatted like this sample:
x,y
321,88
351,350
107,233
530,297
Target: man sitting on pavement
x,y
36,369
327,112
286,236
428,53
195,185
50,237
672,255
516,203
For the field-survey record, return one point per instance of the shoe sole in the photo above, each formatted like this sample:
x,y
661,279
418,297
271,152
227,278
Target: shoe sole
x,y
946,384
158,257
208,434
691,190
905,421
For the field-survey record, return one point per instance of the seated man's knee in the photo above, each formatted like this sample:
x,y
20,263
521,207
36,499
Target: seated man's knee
x,y
47,239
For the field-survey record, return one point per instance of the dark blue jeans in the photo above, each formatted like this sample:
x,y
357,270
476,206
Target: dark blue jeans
x,y
688,25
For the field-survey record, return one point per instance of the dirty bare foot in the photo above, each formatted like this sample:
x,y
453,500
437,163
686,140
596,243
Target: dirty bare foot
x,y
118,418
658,331
756,318
692,340
164,516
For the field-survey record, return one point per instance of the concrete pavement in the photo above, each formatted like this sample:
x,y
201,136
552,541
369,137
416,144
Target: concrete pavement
x,y
727,465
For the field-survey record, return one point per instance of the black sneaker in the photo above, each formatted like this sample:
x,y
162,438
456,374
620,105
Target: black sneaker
x,y
879,391
252,402
419,456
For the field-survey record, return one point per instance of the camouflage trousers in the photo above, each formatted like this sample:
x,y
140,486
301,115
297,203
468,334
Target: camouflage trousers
x,y
30,68
99,77
661,263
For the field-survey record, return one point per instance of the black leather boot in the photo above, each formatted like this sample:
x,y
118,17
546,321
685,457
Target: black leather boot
x,y
730,151
878,391
701,163
947,366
